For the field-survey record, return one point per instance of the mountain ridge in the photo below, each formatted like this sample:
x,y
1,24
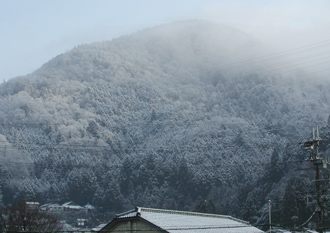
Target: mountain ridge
x,y
153,118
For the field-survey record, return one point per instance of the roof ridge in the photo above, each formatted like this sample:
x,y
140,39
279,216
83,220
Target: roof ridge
x,y
127,212
138,211
141,209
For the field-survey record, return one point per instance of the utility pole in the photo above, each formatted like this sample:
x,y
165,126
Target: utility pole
x,y
270,215
317,161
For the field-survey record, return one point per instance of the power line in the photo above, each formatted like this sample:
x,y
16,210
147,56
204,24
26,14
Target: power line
x,y
188,165
290,52
272,57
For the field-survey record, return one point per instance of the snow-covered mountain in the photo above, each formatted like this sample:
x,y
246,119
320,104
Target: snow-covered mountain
x,y
166,117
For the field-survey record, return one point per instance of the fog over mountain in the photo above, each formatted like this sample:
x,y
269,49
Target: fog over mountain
x,y
169,117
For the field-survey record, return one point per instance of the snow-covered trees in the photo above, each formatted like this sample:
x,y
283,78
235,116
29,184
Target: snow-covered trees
x,y
148,120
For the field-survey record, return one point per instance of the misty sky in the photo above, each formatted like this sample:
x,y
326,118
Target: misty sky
x,y
34,31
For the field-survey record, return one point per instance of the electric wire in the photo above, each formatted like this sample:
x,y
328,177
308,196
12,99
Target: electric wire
x,y
307,221
76,161
287,63
290,52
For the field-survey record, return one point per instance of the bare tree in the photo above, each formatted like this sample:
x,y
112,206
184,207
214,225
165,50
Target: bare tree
x,y
21,217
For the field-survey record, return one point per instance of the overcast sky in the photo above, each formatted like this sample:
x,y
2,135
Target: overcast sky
x,y
34,31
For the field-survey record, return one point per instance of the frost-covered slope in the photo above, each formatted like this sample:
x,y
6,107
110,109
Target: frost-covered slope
x,y
165,117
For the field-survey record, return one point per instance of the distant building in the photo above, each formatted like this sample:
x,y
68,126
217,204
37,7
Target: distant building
x,y
74,216
69,206
156,220
32,205
81,222
55,208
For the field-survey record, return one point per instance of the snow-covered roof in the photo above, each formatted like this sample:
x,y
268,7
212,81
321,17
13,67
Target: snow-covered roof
x,y
32,203
99,227
88,206
174,221
50,205
71,205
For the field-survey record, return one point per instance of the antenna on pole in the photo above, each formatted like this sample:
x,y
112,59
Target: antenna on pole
x,y
313,145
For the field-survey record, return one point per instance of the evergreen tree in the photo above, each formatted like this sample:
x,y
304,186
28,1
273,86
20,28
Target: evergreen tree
x,y
290,204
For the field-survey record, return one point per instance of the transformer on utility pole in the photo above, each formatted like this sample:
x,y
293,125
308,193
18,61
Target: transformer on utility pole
x,y
318,162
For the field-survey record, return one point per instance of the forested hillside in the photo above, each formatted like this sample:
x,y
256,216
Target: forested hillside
x,y
168,117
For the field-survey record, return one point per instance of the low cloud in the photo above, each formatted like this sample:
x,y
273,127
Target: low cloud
x,y
299,30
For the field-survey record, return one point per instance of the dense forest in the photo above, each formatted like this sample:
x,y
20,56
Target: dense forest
x,y
180,116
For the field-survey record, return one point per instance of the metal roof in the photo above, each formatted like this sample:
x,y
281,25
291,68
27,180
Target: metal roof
x,y
174,221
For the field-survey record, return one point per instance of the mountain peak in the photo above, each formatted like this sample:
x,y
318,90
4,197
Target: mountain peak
x,y
182,43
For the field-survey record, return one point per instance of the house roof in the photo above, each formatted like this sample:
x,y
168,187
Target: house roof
x,y
99,227
173,221
31,203
71,205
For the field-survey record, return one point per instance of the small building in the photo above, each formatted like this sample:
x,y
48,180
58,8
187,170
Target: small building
x,y
55,208
71,206
81,222
150,220
88,208
30,205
